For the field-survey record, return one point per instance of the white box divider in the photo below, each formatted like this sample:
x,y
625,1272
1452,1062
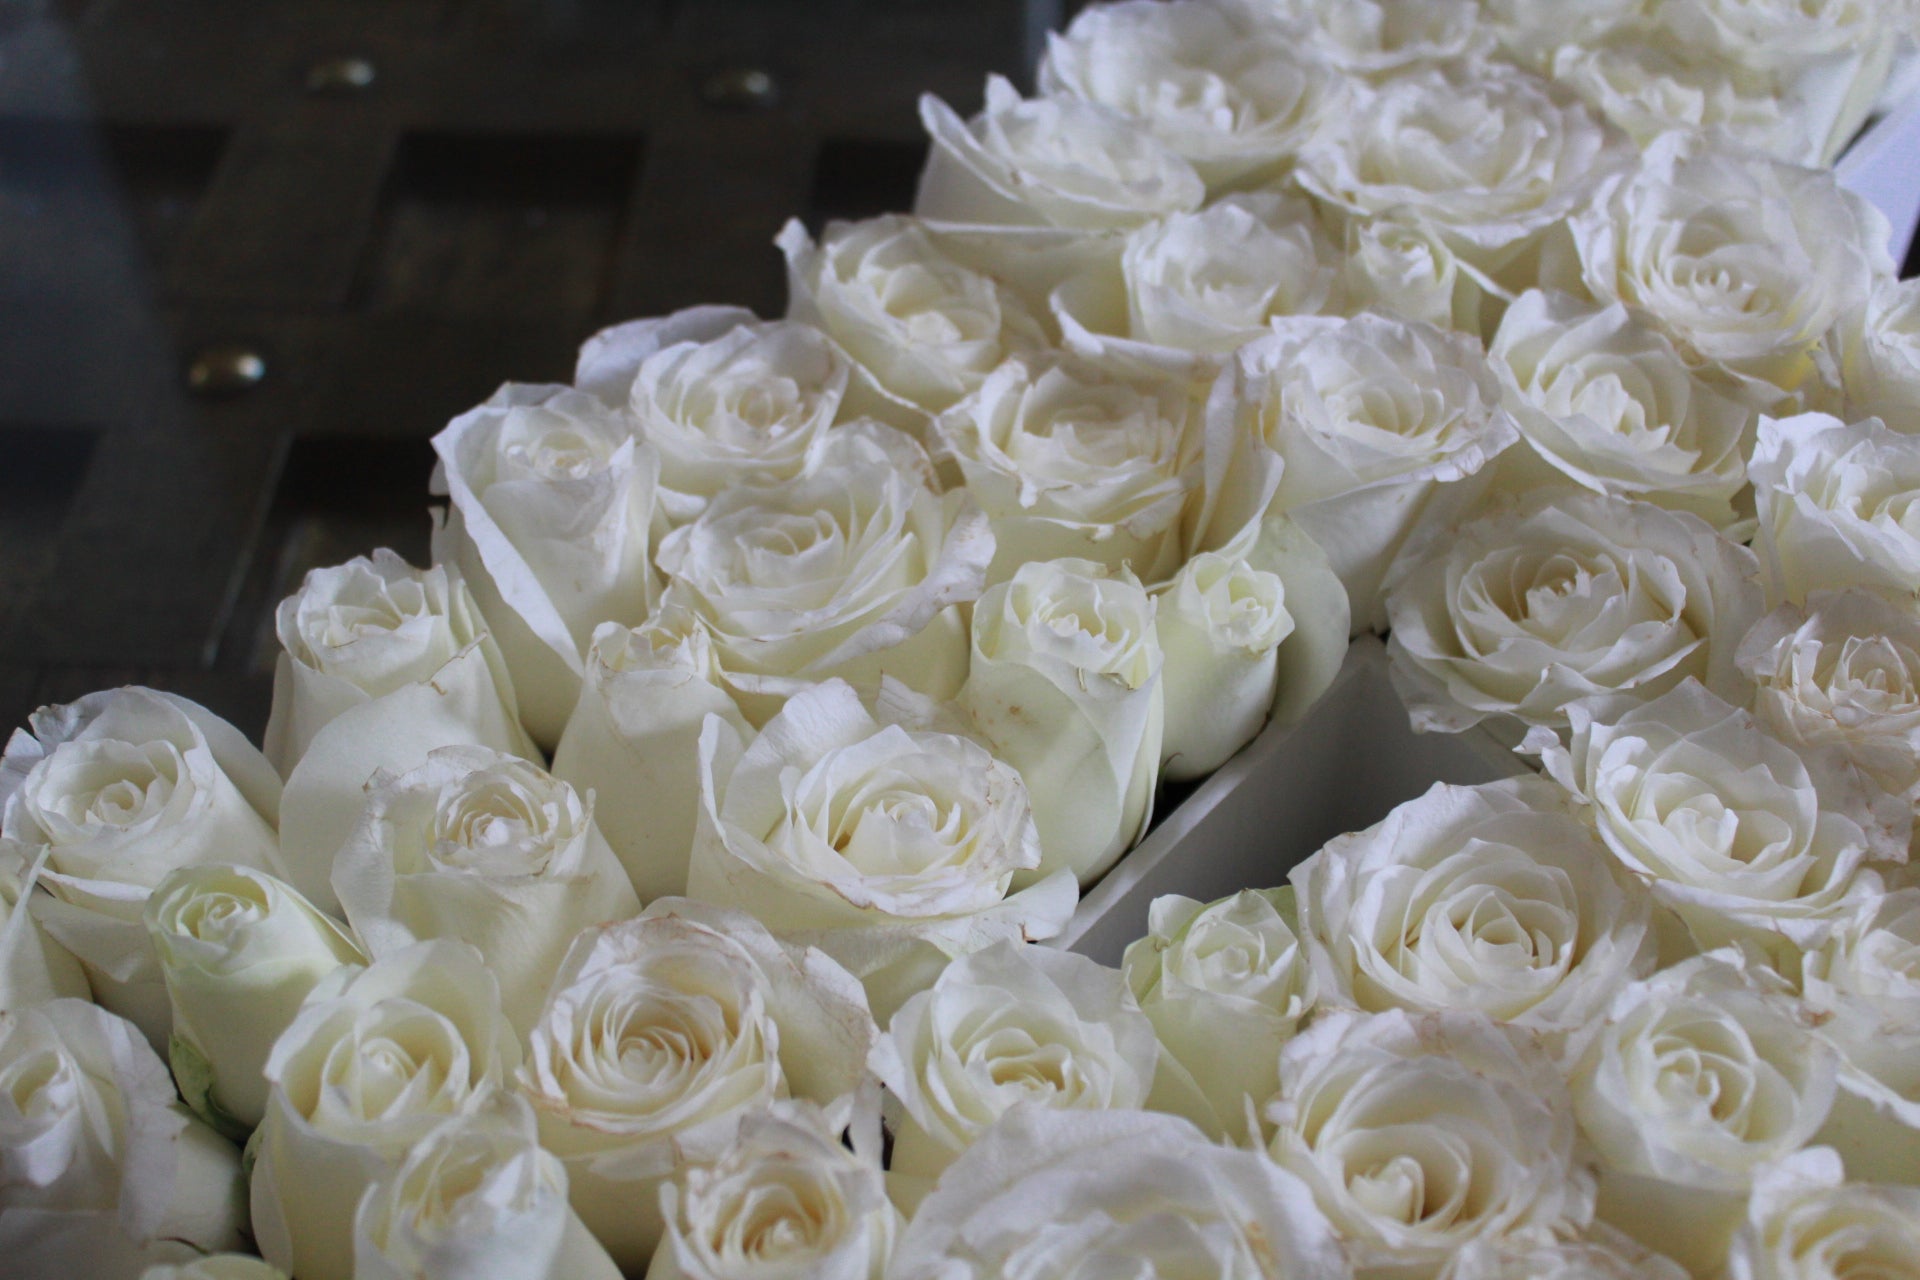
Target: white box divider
x,y
1883,167
1350,760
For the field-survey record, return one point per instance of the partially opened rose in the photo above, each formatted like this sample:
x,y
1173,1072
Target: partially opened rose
x,y
551,528
893,848
1055,162
1601,1253
1876,347
1385,38
1227,90
1070,1195
102,1171
1647,89
1839,506
1808,1221
1402,266
681,1017
216,1266
100,799
1221,623
33,967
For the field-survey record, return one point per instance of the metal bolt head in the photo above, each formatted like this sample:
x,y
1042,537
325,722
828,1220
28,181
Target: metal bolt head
x,y
741,89
340,76
224,370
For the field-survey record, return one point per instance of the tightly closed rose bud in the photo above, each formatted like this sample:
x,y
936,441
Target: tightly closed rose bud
x,y
634,741
373,1062
1221,623
239,951
893,848
486,848
1225,985
679,1018
107,795
1006,1025
102,1171
476,1199
1058,1195
1053,162
551,527
1065,686
383,662
1837,507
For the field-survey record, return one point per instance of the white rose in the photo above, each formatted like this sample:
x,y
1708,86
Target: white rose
x,y
1487,154
1065,686
634,737
1071,1195
924,326
1839,506
240,951
1007,1024
382,663
781,1198
1221,623
371,1064
33,967
1741,259
1838,679
1383,38
891,848
101,798
1047,162
1418,1134
486,848
1864,985
216,1266
1612,406
1404,267
1648,90
1381,423
854,571
1600,1254
1876,348
1197,285
1530,33
1807,1222
1224,984
476,1199
1696,1078
1721,821
551,528
1231,94
1491,898
680,1017
102,1171
1563,596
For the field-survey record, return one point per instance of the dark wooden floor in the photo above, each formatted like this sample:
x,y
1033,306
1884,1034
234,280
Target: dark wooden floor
x,y
179,177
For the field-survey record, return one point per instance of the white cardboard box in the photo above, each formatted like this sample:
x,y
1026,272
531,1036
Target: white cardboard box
x,y
1284,795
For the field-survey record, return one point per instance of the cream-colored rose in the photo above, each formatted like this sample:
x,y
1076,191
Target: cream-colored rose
x,y
1806,1221
373,1062
100,799
1056,162
487,848
1698,1076
1492,898
1876,350
1612,406
1002,1026
1065,686
926,328
678,1018
1221,623
1601,1253
634,740
1742,260
1383,424
1839,507
1487,154
1420,1134
1402,266
1225,984
1065,1195
216,1266
33,967
1647,90
1530,33
1838,679
1229,91
890,847
551,528
476,1199
240,951
1386,38
856,570
1564,595
102,1171
780,1198
382,663
1721,821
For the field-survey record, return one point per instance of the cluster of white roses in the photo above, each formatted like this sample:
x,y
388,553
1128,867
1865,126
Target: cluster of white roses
x,y
646,886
